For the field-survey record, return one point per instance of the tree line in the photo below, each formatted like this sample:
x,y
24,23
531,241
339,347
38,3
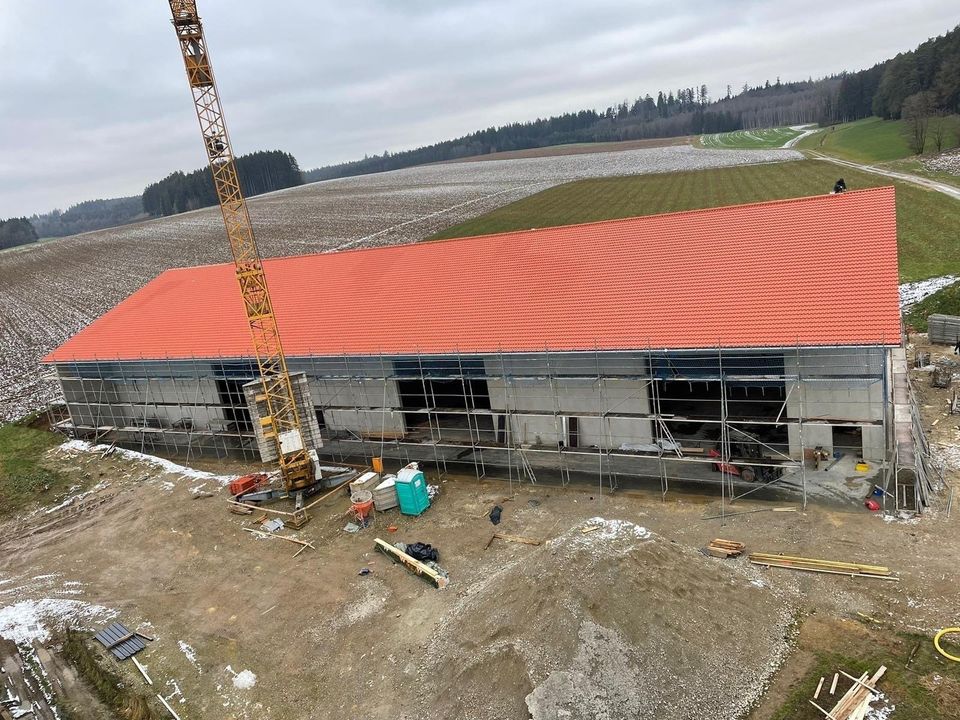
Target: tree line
x,y
259,172
688,111
89,215
883,90
16,231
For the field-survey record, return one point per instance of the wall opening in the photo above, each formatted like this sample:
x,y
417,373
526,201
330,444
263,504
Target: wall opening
x,y
235,410
459,396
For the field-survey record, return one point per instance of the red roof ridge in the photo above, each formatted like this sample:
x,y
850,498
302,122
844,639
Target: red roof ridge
x,y
545,228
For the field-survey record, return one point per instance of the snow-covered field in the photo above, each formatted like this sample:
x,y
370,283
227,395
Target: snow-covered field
x,y
914,292
51,290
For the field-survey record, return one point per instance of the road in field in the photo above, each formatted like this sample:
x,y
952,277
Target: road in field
x,y
50,290
804,130
944,188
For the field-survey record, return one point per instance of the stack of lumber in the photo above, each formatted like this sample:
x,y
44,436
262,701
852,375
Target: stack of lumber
x,y
725,548
855,704
822,566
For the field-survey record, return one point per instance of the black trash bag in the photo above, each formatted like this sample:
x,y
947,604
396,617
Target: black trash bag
x,y
495,514
423,552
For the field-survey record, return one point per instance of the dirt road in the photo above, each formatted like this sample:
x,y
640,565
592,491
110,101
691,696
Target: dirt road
x,y
940,187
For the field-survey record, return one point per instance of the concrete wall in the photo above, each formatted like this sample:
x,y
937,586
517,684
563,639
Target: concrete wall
x,y
836,384
139,401
575,397
345,399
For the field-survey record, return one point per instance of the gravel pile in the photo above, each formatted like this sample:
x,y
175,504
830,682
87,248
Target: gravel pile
x,y
576,627
51,290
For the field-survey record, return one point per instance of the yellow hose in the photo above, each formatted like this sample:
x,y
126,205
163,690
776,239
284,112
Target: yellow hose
x,y
936,643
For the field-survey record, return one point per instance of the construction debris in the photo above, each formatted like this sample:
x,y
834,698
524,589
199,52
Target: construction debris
x,y
303,543
413,565
514,538
143,670
750,512
855,704
119,641
167,706
822,566
721,548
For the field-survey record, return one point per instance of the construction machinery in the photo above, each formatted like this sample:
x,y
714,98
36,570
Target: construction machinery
x,y
281,422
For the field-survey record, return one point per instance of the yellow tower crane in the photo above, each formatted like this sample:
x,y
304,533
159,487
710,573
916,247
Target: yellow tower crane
x,y
281,422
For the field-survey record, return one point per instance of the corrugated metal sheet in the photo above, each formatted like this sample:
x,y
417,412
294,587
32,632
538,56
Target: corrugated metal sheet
x,y
110,636
812,271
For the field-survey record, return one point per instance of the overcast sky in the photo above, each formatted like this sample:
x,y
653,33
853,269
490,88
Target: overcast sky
x,y
94,101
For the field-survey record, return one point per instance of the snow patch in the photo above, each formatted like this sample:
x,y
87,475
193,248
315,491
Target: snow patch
x,y
31,620
244,680
167,466
190,653
914,292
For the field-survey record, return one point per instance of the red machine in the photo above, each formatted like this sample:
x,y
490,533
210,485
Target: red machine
x,y
247,483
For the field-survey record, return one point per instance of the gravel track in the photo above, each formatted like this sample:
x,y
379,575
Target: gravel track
x,y
50,290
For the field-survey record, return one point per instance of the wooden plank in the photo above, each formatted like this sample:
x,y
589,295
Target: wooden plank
x,y
167,706
816,694
142,670
328,494
517,539
827,714
879,569
845,704
280,537
829,572
833,685
262,509
412,564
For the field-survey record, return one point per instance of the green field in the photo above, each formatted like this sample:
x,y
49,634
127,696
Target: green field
x,y
761,138
945,301
23,479
873,140
927,221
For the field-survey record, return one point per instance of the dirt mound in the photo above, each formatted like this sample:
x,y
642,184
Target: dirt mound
x,y
590,625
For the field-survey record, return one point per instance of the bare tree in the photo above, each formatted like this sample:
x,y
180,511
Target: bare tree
x,y
939,130
917,110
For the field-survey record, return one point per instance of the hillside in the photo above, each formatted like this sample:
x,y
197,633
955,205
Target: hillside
x,y
927,221
874,140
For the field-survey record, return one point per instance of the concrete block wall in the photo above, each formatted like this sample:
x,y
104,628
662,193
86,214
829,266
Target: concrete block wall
x,y
308,418
837,384
130,402
575,397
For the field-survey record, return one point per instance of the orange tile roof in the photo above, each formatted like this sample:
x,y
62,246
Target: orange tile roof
x,y
812,271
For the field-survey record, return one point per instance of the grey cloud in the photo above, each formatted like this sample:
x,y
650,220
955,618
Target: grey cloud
x,y
93,102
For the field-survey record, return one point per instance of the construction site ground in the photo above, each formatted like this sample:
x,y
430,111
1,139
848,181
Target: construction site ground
x,y
615,614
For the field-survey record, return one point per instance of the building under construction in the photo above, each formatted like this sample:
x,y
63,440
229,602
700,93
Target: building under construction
x,y
745,346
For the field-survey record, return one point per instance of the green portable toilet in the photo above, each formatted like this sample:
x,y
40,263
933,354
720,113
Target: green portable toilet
x,y
412,490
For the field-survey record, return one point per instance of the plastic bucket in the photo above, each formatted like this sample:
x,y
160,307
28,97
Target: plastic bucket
x,y
362,509
377,464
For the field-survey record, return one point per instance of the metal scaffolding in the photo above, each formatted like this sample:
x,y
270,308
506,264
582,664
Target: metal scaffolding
x,y
686,418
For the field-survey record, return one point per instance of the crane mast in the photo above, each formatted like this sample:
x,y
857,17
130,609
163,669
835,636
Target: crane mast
x,y
282,422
